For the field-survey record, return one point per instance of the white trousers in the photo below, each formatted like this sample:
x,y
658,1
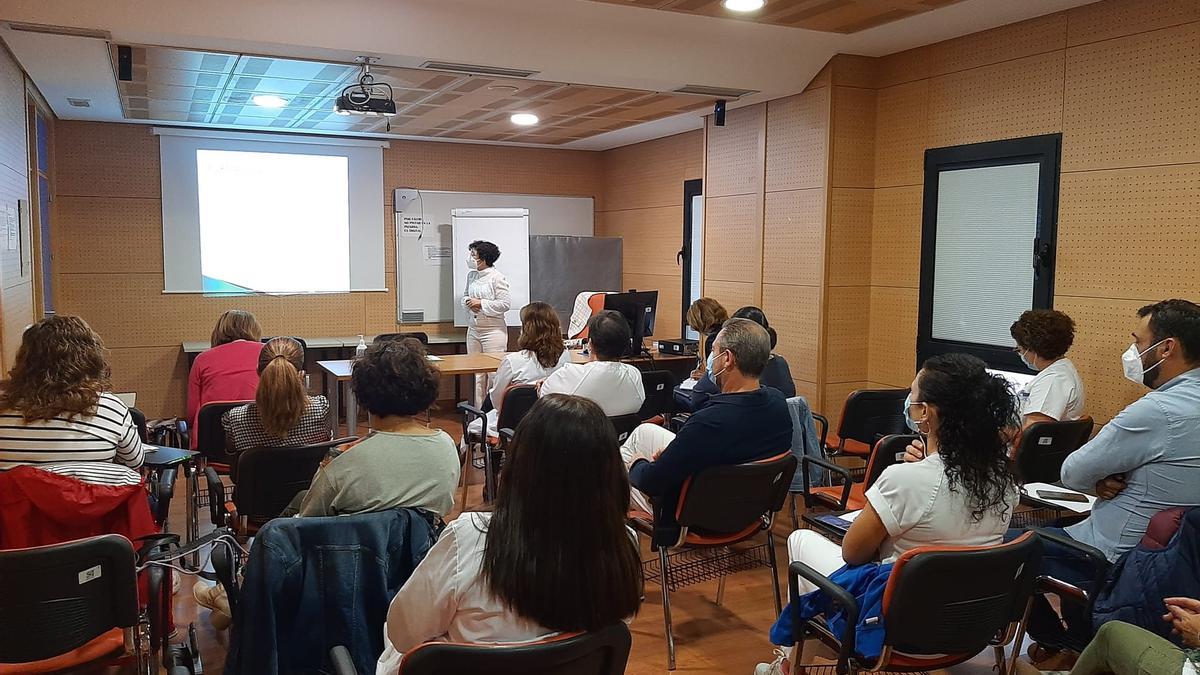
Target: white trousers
x,y
485,340
645,441
814,550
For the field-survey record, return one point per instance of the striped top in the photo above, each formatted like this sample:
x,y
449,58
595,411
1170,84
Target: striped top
x,y
108,435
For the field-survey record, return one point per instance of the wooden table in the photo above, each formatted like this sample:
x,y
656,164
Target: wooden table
x,y
339,371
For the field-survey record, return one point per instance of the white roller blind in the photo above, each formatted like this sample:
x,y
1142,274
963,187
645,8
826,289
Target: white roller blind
x,y
983,274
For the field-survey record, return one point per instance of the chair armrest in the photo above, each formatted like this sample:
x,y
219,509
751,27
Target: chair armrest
x,y
216,497
830,466
506,435
471,413
1097,559
166,483
339,656
824,422
839,595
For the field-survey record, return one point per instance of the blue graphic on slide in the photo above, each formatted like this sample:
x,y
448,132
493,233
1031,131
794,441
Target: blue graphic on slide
x,y
211,285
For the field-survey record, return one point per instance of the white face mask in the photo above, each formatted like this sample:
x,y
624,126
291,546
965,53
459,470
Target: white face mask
x,y
472,262
1131,363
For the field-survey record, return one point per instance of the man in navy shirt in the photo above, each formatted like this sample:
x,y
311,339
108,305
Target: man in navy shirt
x,y
744,422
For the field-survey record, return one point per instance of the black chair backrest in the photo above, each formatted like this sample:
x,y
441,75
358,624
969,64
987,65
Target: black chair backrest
x,y
625,424
388,337
210,435
871,414
303,344
139,421
946,601
57,598
601,652
268,478
518,399
728,499
659,386
1044,447
888,450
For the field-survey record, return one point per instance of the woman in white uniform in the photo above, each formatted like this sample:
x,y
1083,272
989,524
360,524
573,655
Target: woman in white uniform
x,y
1043,337
486,298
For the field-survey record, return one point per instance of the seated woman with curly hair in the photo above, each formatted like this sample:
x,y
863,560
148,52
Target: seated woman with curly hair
x,y
1043,337
57,412
403,463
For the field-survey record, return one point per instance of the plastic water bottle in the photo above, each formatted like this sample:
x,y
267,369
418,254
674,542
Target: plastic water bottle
x,y
361,348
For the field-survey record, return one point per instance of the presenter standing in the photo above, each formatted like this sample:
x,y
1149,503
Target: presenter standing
x,y
486,298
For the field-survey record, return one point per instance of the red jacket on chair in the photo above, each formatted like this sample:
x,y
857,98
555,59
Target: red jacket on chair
x,y
38,508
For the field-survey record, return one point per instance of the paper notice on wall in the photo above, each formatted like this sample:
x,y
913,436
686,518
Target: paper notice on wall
x,y
10,220
435,254
412,227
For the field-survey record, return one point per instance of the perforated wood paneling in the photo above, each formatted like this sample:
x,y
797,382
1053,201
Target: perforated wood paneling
x,y
893,341
1013,41
797,141
670,296
735,152
810,392
1102,333
335,313
651,237
851,70
1133,101
157,374
652,173
734,294
1132,233
850,237
1115,18
853,162
95,159
473,168
379,309
906,66
835,399
733,238
823,78
896,237
848,312
794,312
794,237
901,134
108,234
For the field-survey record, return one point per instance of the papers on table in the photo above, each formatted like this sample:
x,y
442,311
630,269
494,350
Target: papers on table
x,y
1031,490
688,384
431,357
850,515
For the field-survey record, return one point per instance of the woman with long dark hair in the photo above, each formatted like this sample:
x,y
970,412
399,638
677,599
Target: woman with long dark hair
x,y
554,556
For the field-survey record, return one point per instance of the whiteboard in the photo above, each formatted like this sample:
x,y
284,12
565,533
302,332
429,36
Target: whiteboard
x,y
425,253
508,229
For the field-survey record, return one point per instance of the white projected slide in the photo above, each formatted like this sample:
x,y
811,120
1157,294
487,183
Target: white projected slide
x,y
273,222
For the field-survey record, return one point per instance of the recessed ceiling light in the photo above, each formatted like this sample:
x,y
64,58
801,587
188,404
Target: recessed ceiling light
x,y
268,101
506,88
743,5
524,119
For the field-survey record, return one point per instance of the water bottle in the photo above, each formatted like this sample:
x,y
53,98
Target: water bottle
x,y
361,348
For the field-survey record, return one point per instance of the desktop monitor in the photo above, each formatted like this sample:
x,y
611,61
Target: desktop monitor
x,y
638,308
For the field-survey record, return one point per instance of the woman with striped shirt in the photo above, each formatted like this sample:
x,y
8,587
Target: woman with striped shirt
x,y
56,409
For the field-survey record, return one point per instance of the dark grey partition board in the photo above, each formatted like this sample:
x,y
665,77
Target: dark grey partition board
x,y
562,267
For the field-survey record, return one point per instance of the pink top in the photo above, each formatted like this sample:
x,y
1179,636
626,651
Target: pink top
x,y
225,373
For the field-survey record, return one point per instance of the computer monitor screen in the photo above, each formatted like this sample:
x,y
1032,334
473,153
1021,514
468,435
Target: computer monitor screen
x,y
639,309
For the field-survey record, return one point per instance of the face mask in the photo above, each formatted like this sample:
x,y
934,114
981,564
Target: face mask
x,y
472,263
713,375
1131,362
1025,360
912,424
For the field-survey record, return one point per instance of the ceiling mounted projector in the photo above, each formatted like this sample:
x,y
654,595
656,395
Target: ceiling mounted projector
x,y
366,97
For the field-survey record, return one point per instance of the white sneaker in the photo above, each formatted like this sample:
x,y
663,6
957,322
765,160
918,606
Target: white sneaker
x,y
775,667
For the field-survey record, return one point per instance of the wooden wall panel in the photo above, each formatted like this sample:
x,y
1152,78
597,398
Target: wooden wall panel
x,y
810,392
849,237
98,159
797,141
157,374
1131,233
893,335
794,237
650,236
901,134
907,66
1102,328
1133,101
733,238
851,70
1005,43
1115,18
467,167
853,121
650,174
896,236
109,234
835,398
1006,100
795,314
735,294
735,153
16,291
848,327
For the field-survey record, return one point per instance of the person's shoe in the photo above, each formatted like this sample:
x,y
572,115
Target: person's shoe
x,y
213,597
174,582
777,667
1051,659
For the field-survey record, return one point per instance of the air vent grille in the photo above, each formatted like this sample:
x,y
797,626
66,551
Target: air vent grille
x,y
472,69
59,30
716,92
79,102
412,316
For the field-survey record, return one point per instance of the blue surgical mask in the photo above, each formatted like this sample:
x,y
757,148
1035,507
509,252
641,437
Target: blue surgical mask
x,y
908,420
709,367
1025,360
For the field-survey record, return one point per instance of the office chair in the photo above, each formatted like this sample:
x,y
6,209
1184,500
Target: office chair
x,y
851,495
303,344
659,386
942,605
420,336
719,508
1044,446
867,416
518,400
625,424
